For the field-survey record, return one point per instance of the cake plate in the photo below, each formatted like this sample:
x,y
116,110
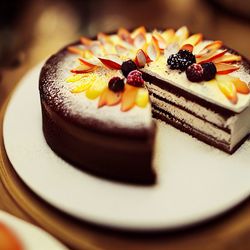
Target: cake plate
x,y
196,182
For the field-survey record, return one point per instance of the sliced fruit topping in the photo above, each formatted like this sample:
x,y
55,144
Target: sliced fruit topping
x,y
223,68
127,67
227,59
82,87
211,56
116,84
74,78
96,89
109,98
76,50
193,40
83,68
188,47
89,62
153,50
227,88
135,78
120,49
181,34
125,35
142,98
139,31
241,86
141,58
210,48
158,38
103,38
86,41
128,98
111,61
195,73
209,71
139,37
168,36
97,48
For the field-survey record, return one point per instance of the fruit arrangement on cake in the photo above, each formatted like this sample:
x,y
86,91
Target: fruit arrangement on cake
x,y
98,97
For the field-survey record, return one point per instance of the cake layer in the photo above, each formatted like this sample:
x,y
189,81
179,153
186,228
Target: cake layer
x,y
114,157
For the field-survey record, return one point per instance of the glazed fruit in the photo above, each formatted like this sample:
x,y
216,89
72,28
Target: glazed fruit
x,y
116,84
186,54
195,73
209,71
173,61
135,78
127,67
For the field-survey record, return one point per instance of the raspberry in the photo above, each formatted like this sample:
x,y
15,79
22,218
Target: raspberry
x,y
135,78
116,84
209,71
127,67
195,73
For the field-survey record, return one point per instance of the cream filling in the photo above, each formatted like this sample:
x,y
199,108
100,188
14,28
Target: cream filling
x,y
196,123
189,105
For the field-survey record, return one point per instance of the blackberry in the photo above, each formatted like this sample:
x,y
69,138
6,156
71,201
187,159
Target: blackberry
x,y
209,71
116,84
173,61
195,73
186,54
127,67
181,60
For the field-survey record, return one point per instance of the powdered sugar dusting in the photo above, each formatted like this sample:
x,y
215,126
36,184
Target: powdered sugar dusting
x,y
77,104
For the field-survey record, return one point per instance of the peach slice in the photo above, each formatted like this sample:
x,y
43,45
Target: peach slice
x,y
125,35
211,47
141,58
142,98
224,68
97,49
74,78
109,98
8,240
181,34
139,31
228,59
82,87
88,62
83,68
168,36
211,56
120,49
227,88
193,40
153,50
158,38
128,98
111,61
85,41
96,89
104,38
188,47
75,50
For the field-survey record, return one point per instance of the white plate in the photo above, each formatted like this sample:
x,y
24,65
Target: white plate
x,y
196,181
31,237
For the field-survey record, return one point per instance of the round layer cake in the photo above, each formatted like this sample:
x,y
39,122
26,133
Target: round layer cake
x,y
98,96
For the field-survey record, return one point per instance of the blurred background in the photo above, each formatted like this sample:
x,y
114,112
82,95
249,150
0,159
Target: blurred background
x,y
30,31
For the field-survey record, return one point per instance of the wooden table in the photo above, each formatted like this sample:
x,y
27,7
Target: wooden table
x,y
230,231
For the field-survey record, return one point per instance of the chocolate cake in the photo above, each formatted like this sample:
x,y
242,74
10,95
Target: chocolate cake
x,y
98,97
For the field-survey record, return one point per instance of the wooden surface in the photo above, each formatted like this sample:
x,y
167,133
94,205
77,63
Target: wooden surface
x,y
230,231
